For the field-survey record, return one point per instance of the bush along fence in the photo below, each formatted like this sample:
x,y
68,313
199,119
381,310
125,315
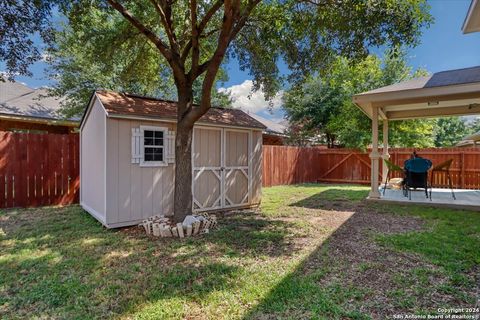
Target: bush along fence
x,y
38,169
292,165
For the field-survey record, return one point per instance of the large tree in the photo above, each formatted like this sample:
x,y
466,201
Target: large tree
x,y
449,131
323,103
21,22
115,58
193,38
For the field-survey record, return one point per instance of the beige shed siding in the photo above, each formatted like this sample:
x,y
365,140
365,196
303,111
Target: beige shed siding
x,y
92,180
236,157
207,153
236,144
120,193
134,192
256,166
207,147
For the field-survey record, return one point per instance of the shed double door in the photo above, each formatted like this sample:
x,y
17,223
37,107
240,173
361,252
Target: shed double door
x,y
221,160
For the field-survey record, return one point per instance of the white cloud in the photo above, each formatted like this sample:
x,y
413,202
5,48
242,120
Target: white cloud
x,y
243,97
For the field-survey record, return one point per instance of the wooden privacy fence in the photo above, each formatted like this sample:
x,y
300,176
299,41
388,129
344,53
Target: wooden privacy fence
x,y
43,169
291,165
38,169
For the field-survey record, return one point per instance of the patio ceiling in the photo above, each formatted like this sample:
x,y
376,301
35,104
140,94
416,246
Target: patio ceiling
x,y
472,20
447,93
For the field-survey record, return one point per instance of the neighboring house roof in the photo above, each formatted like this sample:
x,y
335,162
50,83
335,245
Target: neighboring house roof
x,y
272,127
469,140
472,19
18,100
473,137
132,106
439,79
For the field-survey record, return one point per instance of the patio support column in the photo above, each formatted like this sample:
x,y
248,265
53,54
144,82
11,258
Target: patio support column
x,y
374,156
385,154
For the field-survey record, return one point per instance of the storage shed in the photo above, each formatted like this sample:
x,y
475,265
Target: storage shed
x,y
127,159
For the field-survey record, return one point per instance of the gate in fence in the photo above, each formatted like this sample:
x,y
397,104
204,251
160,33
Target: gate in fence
x,y
38,169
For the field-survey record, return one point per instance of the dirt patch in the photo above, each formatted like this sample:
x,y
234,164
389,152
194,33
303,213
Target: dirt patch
x,y
385,276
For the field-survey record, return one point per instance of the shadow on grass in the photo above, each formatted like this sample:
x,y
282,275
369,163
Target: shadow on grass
x,y
331,196
303,293
60,262
381,262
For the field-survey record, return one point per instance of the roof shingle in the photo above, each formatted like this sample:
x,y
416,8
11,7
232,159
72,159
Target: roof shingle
x,y
16,99
123,104
438,79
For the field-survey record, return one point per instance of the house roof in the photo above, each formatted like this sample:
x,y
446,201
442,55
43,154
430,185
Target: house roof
x,y
472,19
446,93
128,105
272,127
19,100
473,137
438,79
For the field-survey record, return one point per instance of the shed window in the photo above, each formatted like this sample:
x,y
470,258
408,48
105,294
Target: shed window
x,y
153,146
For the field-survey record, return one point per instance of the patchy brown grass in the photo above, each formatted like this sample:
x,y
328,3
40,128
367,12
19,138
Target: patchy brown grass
x,y
311,251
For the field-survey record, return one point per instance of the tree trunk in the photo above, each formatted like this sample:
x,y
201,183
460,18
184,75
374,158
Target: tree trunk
x,y
183,172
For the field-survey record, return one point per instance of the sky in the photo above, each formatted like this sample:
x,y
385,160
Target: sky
x,y
443,46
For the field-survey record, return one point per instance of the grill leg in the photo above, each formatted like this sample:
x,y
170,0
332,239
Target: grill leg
x,y
386,180
451,185
431,184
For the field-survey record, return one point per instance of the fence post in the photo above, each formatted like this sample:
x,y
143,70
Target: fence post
x,y
462,170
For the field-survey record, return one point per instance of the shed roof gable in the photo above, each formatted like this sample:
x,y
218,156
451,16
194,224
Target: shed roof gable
x,y
128,105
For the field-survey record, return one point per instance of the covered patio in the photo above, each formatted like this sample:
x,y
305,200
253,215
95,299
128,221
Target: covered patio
x,y
447,93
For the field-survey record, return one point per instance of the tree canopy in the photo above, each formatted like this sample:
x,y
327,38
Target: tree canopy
x,y
449,131
323,104
190,40
111,56
20,23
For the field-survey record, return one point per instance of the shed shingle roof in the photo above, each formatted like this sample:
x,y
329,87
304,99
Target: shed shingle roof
x,y
123,104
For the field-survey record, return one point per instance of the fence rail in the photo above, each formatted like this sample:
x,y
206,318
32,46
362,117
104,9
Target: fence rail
x,y
38,169
43,169
291,165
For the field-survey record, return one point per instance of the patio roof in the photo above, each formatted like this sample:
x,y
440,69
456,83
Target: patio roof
x,y
472,20
447,93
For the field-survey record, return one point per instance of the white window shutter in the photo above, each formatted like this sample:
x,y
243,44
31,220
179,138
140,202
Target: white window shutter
x,y
170,147
136,145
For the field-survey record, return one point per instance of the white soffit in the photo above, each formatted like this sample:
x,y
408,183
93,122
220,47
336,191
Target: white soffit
x,y
472,19
433,104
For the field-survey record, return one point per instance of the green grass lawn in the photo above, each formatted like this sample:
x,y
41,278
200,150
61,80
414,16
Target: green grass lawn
x,y
309,252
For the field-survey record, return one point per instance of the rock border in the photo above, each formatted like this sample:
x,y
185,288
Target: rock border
x,y
161,226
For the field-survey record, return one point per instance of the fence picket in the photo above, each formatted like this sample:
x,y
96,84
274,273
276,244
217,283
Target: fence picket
x,y
292,165
43,169
31,165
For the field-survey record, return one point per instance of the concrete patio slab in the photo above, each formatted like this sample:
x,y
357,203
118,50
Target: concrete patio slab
x,y
465,199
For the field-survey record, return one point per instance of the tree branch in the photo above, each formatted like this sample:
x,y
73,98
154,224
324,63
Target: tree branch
x,y
201,27
231,11
195,39
165,17
141,27
206,19
173,61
